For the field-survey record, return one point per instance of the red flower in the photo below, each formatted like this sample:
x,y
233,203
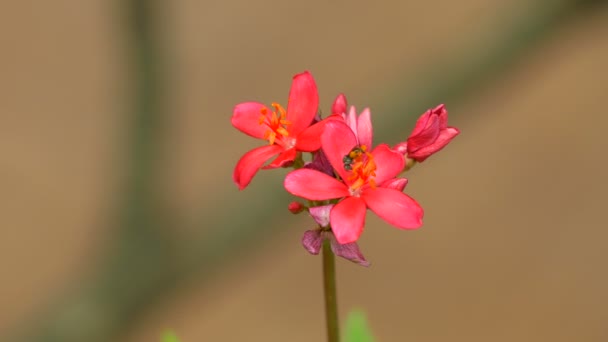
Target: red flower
x,y
367,181
287,131
430,135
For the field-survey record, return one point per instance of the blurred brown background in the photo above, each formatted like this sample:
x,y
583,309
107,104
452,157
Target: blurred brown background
x,y
119,218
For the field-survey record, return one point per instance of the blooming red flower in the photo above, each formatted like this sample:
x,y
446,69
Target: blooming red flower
x,y
367,180
430,135
287,131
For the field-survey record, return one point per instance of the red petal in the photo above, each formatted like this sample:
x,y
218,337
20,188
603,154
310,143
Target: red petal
x,y
394,207
421,123
426,136
444,138
314,185
282,159
395,183
337,141
443,116
310,139
246,118
389,163
364,128
351,119
339,105
251,162
303,102
347,219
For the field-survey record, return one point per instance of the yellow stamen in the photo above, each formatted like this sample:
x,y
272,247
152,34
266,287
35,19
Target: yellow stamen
x,y
362,167
276,122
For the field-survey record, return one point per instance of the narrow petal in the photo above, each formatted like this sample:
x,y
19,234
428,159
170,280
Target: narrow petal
x,y
395,183
246,118
337,141
364,128
444,138
351,120
251,162
339,105
348,219
312,241
394,207
389,163
303,102
283,159
314,185
310,139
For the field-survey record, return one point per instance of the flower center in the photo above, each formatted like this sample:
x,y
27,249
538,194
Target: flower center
x,y
362,168
276,121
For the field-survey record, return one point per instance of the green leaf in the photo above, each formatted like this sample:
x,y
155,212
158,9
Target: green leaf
x,y
357,329
169,336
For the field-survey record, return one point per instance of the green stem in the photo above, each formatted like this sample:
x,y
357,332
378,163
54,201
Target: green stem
x,y
329,287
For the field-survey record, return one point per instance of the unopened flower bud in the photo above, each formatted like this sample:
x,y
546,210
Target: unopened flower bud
x,y
430,135
296,207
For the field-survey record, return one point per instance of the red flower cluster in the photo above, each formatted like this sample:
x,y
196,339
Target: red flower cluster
x,y
347,174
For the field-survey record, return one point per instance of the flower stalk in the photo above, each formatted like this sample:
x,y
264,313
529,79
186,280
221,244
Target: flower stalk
x,y
329,288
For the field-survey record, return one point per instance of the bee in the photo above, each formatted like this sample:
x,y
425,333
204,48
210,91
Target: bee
x,y
351,157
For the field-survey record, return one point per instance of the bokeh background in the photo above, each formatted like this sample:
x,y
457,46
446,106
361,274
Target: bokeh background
x,y
119,218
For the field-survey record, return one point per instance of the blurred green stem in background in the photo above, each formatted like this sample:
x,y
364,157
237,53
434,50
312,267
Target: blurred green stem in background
x,y
329,289
140,265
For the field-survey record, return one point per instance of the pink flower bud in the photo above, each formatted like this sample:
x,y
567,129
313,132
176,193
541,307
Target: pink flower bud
x,y
430,135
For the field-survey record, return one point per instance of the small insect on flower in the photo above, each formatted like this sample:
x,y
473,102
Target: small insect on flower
x,y
352,156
